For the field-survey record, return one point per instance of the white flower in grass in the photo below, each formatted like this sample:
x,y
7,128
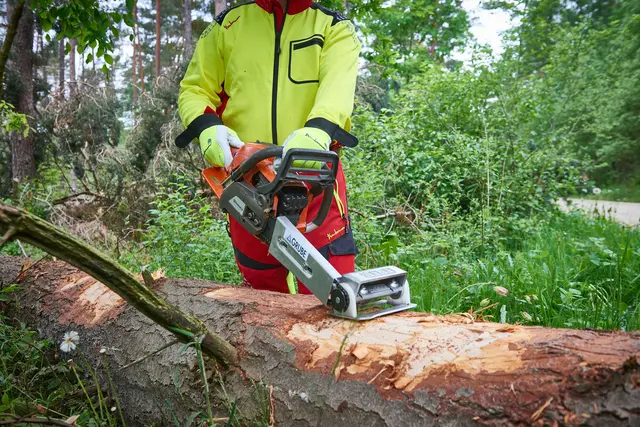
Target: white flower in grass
x,y
69,341
526,316
596,190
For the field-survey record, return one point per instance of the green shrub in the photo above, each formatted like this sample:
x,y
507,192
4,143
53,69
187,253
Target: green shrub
x,y
185,238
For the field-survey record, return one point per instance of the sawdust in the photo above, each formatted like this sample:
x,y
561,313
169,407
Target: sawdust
x,y
360,351
414,346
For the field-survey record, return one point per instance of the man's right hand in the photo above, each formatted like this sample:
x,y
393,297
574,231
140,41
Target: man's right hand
x,y
216,143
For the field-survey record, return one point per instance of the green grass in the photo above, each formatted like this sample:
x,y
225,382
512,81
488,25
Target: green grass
x,y
570,271
615,193
560,270
34,383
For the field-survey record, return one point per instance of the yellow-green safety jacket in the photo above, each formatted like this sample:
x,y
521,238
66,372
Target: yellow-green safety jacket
x,y
264,74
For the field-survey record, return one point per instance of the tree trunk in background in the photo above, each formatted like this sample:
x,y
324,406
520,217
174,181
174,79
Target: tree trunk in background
x,y
23,162
187,29
140,65
220,5
73,84
42,62
139,50
134,58
61,67
309,369
14,15
158,38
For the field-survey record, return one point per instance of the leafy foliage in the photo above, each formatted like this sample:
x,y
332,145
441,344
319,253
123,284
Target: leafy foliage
x,y
186,238
582,64
89,22
405,34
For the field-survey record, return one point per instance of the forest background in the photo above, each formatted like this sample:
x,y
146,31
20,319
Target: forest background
x,y
456,177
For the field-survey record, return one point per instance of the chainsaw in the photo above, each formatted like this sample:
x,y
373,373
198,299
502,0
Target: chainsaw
x,y
271,202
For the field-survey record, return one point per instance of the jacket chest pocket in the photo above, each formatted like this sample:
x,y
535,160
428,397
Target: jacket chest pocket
x,y
304,59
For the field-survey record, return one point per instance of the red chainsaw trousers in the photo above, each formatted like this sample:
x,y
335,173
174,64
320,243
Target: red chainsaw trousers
x,y
333,239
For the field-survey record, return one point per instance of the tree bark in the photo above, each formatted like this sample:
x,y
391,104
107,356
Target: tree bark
x,y
158,38
12,29
188,49
220,6
73,84
41,63
408,369
140,54
61,67
23,162
134,59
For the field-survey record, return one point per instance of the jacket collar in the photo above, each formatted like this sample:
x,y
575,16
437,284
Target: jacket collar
x,y
295,6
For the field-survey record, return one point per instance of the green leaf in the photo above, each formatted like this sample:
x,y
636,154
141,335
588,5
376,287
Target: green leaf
x,y
11,288
46,25
128,20
108,59
105,69
130,4
182,331
89,58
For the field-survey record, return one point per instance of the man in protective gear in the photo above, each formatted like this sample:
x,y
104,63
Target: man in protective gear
x,y
282,72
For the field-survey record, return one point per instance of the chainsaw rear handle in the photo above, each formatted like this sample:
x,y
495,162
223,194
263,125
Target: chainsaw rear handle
x,y
324,177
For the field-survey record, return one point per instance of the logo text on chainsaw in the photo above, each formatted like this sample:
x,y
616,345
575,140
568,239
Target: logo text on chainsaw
x,y
297,246
238,204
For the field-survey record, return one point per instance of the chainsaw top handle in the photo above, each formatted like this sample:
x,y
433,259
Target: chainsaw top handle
x,y
286,172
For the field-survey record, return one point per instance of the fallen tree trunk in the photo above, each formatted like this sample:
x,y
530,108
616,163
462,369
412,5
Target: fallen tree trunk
x,y
410,369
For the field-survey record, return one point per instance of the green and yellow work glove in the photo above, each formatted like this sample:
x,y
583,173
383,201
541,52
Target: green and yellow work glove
x,y
309,138
216,142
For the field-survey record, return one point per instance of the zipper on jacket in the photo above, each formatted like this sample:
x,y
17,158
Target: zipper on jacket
x,y
276,65
274,93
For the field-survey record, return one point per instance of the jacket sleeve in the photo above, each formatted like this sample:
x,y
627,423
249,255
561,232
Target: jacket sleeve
x,y
338,74
204,77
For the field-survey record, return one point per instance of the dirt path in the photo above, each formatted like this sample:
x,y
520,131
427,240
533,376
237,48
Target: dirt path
x,y
627,213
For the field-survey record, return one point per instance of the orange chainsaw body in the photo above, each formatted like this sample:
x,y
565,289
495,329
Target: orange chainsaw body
x,y
216,176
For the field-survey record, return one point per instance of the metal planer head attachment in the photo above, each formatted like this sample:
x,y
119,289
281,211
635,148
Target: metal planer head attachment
x,y
364,295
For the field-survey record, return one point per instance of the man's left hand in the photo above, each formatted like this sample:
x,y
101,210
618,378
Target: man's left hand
x,y
309,138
